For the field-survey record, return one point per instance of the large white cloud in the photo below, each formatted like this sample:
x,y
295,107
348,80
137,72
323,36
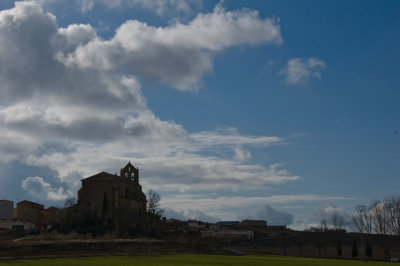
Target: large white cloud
x,y
72,102
178,55
37,186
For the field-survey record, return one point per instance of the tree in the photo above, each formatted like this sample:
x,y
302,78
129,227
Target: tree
x,y
362,220
354,250
380,221
380,217
69,202
337,220
319,245
368,250
339,250
153,203
393,213
324,225
284,245
300,243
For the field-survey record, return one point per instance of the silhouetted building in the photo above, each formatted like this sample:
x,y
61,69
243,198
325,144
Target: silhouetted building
x,y
228,224
253,223
12,224
108,193
28,211
6,209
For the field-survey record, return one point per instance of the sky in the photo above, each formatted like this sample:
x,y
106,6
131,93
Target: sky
x,y
280,110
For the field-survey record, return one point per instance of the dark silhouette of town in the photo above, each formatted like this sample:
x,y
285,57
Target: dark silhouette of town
x,y
112,215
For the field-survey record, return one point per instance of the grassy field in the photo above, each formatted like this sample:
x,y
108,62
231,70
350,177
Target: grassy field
x,y
188,260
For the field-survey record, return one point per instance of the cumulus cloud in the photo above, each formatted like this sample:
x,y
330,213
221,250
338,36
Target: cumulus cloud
x,y
163,8
13,173
72,102
159,7
201,216
177,55
90,107
272,216
173,214
37,186
327,210
299,70
170,161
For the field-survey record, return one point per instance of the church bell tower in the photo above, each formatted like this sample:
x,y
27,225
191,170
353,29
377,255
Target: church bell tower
x,y
130,172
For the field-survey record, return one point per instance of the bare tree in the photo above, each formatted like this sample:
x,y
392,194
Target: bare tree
x,y
393,213
380,217
153,203
324,225
380,221
69,202
337,221
362,220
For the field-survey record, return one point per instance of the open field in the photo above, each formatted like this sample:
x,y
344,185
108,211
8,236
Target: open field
x,y
189,259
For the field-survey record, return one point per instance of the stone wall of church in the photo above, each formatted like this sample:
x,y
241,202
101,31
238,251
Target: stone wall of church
x,y
117,192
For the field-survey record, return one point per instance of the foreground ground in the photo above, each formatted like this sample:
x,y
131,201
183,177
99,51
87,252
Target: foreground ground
x,y
190,259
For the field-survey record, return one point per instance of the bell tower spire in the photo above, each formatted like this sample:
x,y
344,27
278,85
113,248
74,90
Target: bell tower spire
x,y
130,172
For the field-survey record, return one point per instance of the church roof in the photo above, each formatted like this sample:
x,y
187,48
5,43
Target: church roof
x,y
129,166
31,203
107,176
101,175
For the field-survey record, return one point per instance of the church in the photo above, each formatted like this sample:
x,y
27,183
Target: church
x,y
108,193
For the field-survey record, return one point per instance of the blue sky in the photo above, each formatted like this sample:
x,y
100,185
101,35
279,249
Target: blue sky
x,y
277,110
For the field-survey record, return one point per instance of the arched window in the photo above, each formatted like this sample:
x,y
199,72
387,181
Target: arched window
x,y
126,175
132,176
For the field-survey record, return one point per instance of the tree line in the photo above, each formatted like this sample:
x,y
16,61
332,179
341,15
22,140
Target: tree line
x,y
379,217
